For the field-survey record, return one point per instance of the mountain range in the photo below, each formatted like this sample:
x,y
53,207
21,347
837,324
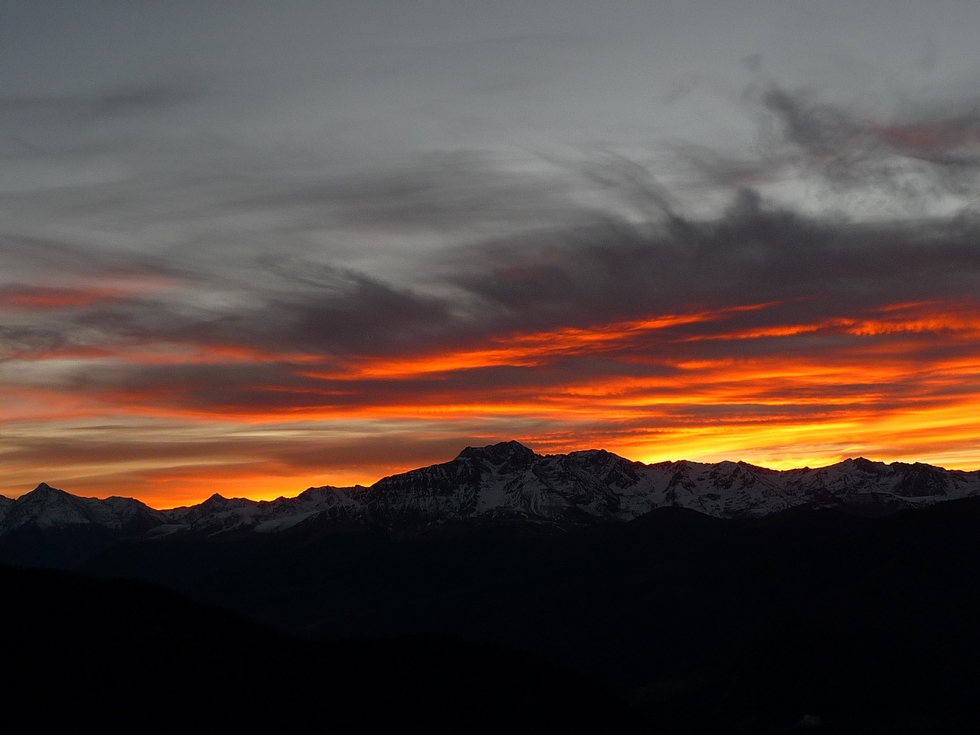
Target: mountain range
x,y
508,482
702,598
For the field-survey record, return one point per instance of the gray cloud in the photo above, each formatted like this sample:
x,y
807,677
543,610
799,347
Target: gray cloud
x,y
925,150
600,267
128,99
921,152
255,257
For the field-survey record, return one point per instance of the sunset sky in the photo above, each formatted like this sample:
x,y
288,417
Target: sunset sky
x,y
254,247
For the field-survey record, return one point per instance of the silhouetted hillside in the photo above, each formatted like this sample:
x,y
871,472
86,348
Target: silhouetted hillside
x,y
867,625
111,654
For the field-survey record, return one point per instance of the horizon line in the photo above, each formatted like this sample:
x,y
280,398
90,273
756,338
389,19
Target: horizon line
x,y
487,446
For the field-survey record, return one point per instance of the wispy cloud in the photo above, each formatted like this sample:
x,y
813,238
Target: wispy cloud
x,y
464,297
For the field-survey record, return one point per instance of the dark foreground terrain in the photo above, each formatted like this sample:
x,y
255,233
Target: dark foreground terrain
x,y
112,654
807,621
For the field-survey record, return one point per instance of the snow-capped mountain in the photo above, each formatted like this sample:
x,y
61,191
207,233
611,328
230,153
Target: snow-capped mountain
x,y
47,507
218,514
508,481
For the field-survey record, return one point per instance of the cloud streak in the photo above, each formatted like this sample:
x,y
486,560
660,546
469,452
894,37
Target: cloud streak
x,y
467,298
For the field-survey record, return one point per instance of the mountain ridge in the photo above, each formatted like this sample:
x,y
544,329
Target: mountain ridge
x,y
746,600
508,482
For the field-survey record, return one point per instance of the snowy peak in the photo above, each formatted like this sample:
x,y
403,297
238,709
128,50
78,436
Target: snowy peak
x,y
506,456
508,481
505,480
895,485
218,514
46,507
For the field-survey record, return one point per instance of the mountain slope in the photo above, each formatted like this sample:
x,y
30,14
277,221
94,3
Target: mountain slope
x,y
49,527
509,482
111,654
711,625
746,600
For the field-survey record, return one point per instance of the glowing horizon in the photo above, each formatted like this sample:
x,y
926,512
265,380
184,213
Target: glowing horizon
x,y
858,387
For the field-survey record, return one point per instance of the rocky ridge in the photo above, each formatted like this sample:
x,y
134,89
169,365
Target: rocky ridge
x,y
509,482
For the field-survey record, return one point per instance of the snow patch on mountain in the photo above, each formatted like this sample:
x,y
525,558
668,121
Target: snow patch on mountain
x,y
47,507
509,481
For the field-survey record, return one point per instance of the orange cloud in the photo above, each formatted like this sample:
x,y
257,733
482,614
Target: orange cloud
x,y
898,382
37,299
530,349
34,298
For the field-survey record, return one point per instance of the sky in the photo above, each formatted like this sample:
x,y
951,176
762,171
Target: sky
x,y
254,247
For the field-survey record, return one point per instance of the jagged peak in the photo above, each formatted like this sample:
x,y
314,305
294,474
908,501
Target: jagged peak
x,y
863,463
510,478
499,452
47,494
593,453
